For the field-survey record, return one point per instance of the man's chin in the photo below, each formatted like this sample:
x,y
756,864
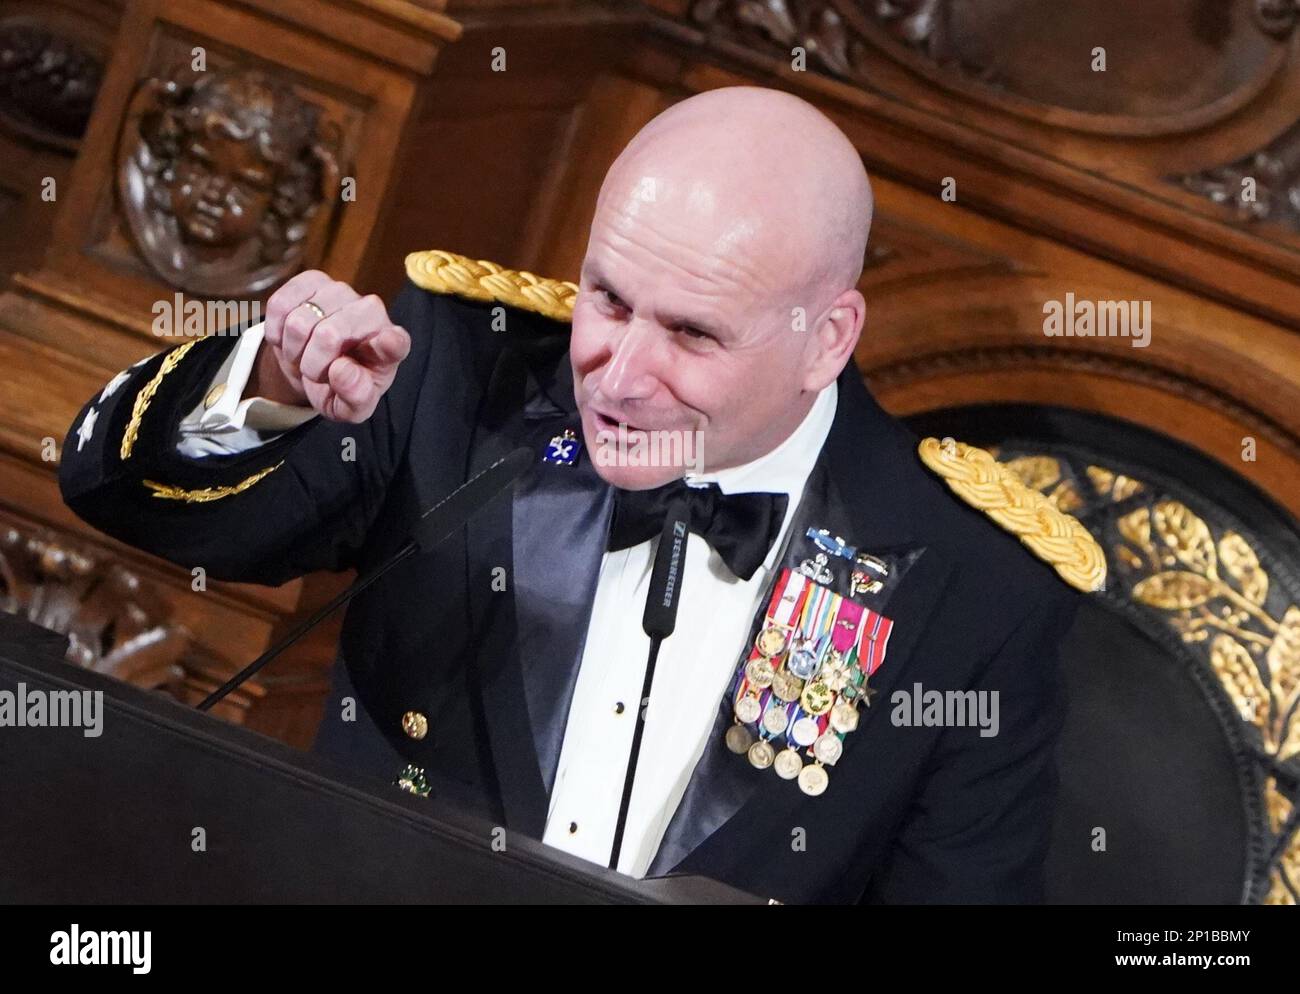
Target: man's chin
x,y
638,477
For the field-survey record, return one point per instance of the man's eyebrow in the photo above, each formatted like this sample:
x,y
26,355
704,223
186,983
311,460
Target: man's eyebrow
x,y
594,273
598,278
669,320
601,281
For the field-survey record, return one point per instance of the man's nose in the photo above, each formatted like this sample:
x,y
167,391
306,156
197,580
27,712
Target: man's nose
x,y
629,372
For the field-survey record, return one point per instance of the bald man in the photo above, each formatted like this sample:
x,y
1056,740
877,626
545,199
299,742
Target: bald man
x,y
703,371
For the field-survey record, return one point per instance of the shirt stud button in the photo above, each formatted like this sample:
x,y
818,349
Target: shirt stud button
x,y
618,707
573,828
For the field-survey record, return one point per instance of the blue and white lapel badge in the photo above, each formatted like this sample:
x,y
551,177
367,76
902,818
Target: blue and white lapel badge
x,y
563,449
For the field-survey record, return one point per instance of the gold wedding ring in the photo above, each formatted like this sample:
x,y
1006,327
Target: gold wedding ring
x,y
314,306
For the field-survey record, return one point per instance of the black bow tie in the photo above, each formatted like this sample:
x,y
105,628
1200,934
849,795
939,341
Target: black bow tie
x,y
739,527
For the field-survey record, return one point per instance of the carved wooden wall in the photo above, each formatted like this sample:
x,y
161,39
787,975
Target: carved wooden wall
x,y
1173,176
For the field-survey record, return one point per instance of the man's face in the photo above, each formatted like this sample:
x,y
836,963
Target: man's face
x,y
676,338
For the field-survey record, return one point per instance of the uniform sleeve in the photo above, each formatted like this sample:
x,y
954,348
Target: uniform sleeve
x,y
979,830
301,502
223,422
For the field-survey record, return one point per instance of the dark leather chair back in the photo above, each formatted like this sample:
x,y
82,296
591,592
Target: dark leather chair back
x,y
1180,756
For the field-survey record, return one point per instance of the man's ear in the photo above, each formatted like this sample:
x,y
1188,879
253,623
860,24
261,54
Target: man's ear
x,y
835,338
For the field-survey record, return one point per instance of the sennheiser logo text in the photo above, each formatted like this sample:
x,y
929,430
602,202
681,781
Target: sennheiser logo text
x,y
77,948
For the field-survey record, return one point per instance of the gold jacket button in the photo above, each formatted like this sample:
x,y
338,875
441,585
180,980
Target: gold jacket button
x,y
415,724
214,395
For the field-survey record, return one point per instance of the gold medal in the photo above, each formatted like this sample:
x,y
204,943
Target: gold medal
x,y
748,710
813,780
844,717
771,640
775,720
739,739
817,698
788,764
761,754
760,672
828,748
786,686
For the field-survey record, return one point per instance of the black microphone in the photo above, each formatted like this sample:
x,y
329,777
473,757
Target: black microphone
x,y
660,616
445,518
658,621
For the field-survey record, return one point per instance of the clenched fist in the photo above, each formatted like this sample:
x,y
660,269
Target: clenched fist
x,y
338,356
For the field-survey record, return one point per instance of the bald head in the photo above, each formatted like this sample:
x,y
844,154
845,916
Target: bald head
x,y
719,295
771,175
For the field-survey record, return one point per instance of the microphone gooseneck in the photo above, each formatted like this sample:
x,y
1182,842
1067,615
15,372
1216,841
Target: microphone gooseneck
x,y
658,622
445,518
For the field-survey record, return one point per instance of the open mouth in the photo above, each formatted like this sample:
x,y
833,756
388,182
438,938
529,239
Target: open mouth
x,y
606,423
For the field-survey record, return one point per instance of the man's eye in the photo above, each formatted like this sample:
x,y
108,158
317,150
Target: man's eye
x,y
611,298
690,331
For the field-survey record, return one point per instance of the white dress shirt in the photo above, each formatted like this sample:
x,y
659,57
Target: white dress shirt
x,y
695,663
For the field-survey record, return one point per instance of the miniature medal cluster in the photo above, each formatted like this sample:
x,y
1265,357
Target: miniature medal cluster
x,y
797,692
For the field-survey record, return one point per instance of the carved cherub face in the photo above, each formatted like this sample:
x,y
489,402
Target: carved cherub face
x,y
220,189
221,176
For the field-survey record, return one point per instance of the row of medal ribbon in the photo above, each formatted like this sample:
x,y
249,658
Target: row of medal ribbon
x,y
797,694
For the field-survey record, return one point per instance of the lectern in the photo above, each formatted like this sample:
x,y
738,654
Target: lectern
x,y
169,805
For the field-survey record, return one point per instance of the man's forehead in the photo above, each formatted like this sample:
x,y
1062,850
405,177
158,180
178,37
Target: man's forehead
x,y
715,209
647,276
698,264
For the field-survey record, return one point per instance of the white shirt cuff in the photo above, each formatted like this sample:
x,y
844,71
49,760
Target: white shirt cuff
x,y
225,415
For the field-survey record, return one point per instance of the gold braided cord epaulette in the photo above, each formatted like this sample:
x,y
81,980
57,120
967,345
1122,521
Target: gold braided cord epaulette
x,y
478,279
1054,536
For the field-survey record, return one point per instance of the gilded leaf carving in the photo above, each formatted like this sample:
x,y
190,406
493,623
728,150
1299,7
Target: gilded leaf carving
x,y
1283,659
1174,590
1116,486
1240,677
1136,527
1214,592
1242,565
1186,535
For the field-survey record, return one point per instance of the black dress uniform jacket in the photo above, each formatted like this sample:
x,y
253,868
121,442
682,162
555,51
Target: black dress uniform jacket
x,y
911,814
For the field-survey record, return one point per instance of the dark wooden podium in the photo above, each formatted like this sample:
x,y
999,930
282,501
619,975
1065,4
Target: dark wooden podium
x,y
111,818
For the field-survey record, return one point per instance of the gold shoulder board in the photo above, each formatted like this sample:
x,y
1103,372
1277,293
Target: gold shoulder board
x,y
478,279
1051,534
